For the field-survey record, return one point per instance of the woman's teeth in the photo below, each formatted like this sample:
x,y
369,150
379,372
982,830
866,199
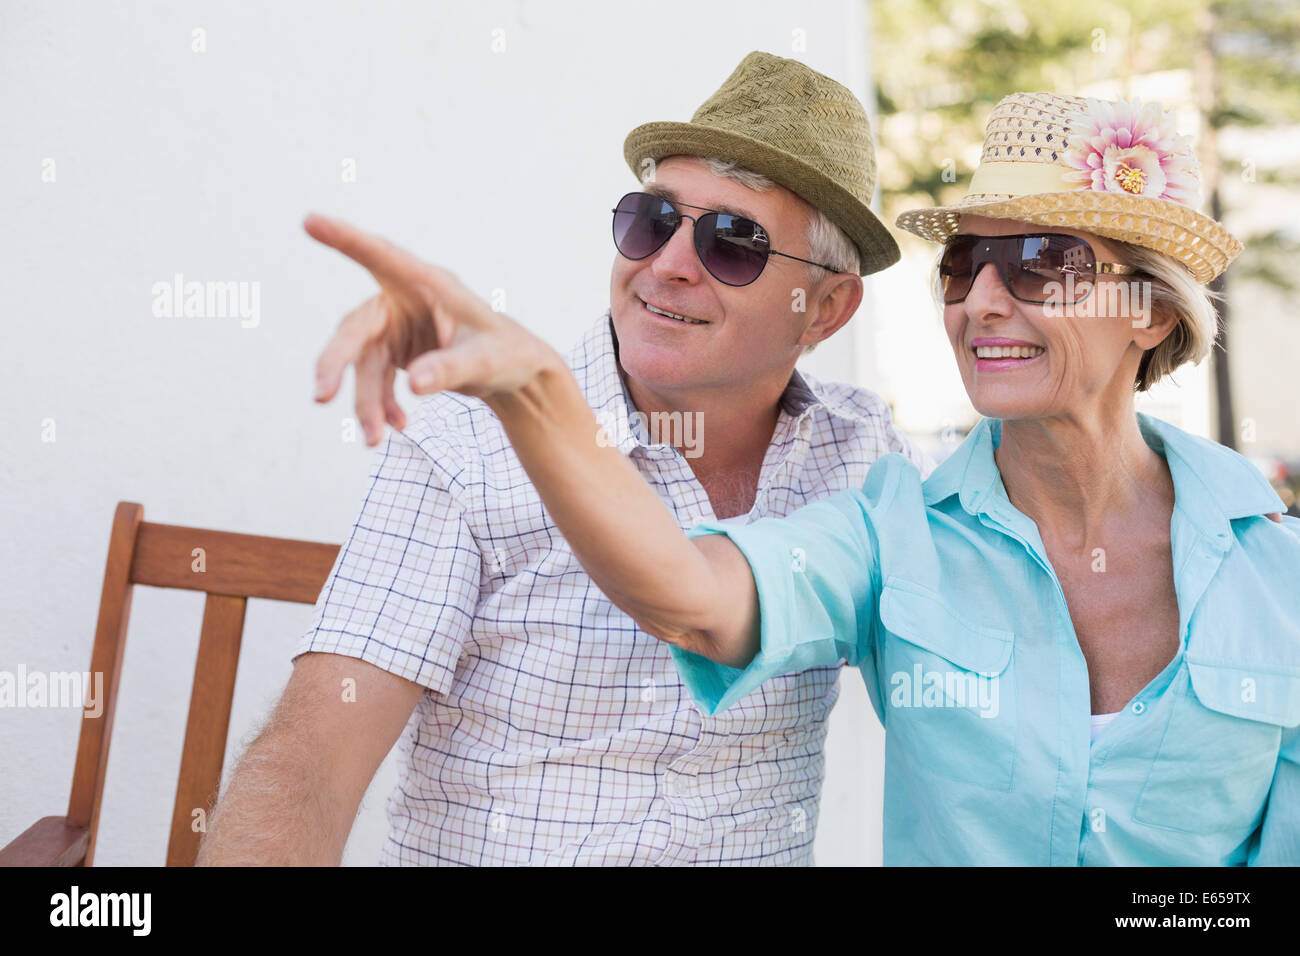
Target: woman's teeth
x,y
1007,351
674,315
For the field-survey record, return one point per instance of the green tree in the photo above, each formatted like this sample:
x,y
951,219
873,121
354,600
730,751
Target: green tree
x,y
1247,75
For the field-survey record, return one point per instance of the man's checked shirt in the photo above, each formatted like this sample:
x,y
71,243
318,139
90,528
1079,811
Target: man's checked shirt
x,y
553,730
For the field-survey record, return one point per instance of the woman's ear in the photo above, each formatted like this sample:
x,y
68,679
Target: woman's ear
x,y
1152,323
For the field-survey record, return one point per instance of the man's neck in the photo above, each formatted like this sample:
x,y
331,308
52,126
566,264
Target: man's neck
x,y
732,431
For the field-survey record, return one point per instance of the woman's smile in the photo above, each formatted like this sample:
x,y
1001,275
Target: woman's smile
x,y
997,354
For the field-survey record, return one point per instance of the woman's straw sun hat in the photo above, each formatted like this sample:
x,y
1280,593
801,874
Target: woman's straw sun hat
x,y
797,127
1113,168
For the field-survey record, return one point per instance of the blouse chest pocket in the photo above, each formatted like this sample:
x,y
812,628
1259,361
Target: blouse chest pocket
x,y
950,705
1216,758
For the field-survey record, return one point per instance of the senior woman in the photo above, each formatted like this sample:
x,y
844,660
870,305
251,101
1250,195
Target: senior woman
x,y
1082,631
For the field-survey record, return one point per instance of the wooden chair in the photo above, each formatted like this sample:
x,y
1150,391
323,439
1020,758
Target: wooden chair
x,y
235,567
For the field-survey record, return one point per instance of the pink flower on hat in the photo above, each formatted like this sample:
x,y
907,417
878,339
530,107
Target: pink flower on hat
x,y
1128,147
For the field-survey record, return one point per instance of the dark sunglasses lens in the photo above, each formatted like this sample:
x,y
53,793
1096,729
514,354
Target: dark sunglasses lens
x,y
955,269
642,223
1051,268
732,248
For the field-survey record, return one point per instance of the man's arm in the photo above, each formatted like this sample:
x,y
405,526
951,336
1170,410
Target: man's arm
x,y
295,792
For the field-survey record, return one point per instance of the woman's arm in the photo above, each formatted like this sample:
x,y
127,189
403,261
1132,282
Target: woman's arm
x,y
696,594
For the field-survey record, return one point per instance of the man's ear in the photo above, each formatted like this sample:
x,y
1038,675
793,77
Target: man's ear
x,y
829,306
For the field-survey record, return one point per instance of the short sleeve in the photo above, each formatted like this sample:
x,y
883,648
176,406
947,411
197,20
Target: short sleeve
x,y
816,579
405,585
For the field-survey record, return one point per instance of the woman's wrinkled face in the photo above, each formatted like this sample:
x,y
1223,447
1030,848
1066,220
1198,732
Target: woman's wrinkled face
x,y
1020,360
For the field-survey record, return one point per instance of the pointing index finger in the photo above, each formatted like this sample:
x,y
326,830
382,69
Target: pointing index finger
x,y
385,261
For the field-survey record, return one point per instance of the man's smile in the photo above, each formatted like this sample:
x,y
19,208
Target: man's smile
x,y
676,316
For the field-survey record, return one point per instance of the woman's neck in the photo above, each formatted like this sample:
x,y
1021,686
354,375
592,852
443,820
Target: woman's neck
x,y
1082,479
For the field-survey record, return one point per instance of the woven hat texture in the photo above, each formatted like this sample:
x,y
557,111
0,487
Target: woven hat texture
x,y
1113,168
799,128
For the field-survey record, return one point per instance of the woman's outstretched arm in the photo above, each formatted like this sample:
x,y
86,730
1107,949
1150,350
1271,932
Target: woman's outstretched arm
x,y
696,594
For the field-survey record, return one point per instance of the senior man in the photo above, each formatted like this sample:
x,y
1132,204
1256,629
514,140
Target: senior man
x,y
541,725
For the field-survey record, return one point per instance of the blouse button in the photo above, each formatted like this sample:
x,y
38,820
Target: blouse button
x,y
1138,706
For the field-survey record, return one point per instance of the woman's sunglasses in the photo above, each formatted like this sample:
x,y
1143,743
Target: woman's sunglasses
x,y
1037,268
734,249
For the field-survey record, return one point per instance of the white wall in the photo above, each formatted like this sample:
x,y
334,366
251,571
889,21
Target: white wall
x,y
165,160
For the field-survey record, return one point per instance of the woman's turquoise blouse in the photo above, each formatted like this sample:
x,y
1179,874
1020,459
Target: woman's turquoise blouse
x,y
941,594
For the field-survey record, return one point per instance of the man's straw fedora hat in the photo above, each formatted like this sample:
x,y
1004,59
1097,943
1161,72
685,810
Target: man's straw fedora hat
x,y
797,127
1113,168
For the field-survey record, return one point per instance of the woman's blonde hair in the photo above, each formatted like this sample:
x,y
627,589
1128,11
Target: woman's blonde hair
x,y
1192,304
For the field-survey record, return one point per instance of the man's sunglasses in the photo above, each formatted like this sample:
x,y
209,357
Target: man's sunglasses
x,y
1036,268
734,249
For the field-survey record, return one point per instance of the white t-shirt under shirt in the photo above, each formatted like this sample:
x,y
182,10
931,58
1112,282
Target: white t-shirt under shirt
x,y
738,519
1101,720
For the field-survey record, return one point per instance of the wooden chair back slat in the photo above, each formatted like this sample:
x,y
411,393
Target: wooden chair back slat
x,y
106,659
208,724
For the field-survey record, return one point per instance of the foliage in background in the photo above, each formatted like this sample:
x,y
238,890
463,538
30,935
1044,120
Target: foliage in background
x,y
941,65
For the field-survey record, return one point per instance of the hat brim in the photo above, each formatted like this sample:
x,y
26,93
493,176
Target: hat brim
x,y
877,249
1178,231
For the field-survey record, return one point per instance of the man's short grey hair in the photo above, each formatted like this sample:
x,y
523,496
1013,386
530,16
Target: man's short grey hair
x,y
827,242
